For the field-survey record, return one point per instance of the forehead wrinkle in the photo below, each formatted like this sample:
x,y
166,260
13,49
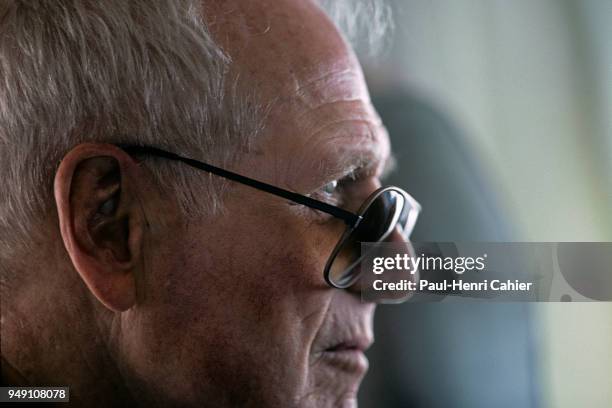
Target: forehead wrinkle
x,y
369,136
325,77
335,85
364,110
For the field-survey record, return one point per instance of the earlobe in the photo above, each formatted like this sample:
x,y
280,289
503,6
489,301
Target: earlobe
x,y
100,220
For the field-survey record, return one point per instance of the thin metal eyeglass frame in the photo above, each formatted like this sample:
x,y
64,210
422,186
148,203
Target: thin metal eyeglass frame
x,y
350,219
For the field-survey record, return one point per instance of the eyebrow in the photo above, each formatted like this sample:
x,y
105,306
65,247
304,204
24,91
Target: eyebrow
x,y
365,163
389,166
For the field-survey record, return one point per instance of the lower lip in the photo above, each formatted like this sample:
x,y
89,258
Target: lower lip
x,y
349,360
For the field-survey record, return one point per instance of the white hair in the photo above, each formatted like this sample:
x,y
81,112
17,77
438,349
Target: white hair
x,y
139,72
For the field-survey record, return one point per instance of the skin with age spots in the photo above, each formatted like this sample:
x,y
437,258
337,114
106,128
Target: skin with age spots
x,y
155,309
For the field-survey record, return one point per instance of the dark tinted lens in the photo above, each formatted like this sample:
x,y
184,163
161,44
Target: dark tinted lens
x,y
379,219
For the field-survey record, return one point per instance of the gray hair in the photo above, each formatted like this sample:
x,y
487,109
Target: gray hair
x,y
138,72
365,23
141,72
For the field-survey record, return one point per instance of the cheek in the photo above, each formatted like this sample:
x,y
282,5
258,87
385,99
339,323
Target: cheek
x,y
241,315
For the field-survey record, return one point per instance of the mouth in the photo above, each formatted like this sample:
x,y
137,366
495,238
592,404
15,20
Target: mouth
x,y
348,355
357,344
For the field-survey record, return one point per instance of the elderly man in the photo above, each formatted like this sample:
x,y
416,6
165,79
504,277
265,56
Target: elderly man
x,y
176,180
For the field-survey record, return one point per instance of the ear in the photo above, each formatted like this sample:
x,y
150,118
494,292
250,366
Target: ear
x,y
101,220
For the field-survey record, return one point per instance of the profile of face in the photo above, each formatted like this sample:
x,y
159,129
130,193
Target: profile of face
x,y
232,309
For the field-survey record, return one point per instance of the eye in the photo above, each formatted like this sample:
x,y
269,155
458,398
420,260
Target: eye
x,y
330,188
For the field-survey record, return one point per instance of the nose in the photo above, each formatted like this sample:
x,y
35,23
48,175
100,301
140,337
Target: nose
x,y
401,245
396,236
356,288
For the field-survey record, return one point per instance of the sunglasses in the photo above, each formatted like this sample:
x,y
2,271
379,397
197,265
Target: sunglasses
x,y
388,214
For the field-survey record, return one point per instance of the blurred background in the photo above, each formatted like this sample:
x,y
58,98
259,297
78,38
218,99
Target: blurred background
x,y
500,114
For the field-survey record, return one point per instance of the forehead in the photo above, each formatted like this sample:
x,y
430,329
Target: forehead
x,y
278,46
292,56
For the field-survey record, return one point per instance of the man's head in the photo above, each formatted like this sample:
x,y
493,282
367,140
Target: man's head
x,y
151,281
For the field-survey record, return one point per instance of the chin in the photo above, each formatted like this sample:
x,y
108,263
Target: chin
x,y
336,378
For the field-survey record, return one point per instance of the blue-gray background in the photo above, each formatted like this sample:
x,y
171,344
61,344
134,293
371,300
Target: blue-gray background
x,y
500,117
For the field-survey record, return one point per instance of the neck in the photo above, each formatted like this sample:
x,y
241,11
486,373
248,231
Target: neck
x,y
49,340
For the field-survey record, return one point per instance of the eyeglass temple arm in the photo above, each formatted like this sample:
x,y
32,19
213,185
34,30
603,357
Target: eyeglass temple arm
x,y
348,217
